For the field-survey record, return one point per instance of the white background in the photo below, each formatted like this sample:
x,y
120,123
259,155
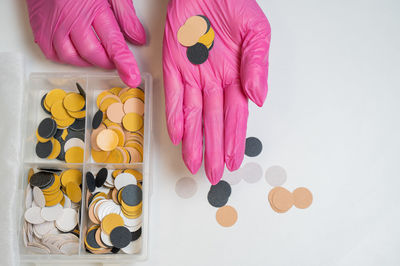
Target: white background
x,y
331,119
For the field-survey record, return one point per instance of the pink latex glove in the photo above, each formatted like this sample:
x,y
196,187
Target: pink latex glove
x,y
214,95
88,32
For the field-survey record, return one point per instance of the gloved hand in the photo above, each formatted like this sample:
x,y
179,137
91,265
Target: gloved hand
x,y
214,95
88,32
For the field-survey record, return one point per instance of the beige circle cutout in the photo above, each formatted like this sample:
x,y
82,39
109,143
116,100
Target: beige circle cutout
x,y
226,216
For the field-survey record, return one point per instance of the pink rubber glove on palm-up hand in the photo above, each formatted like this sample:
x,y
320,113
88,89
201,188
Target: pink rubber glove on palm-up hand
x,y
88,32
214,94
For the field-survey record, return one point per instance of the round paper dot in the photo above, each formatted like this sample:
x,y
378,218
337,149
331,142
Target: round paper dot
x,y
253,147
90,181
275,176
59,112
97,119
74,102
302,198
115,112
111,221
226,216
44,149
101,177
189,33
219,194
41,179
233,178
107,140
131,195
251,172
197,54
283,199
73,142
38,197
134,105
74,155
43,106
120,237
280,199
47,128
132,122
123,180
51,213
71,175
67,220
78,125
33,216
186,187
136,234
74,192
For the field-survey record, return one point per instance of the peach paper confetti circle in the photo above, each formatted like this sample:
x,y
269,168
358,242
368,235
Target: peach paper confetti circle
x,y
302,197
280,199
226,216
115,112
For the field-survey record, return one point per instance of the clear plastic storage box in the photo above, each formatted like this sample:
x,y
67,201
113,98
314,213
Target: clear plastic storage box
x,y
93,84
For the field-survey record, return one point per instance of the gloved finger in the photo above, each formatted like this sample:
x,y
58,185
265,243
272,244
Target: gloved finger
x,y
66,51
128,21
173,87
254,64
213,132
192,143
235,114
114,43
89,47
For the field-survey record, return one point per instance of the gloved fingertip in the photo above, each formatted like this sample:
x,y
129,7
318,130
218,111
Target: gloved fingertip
x,y
193,164
214,174
233,162
255,84
139,38
175,140
214,181
175,133
255,93
259,101
131,79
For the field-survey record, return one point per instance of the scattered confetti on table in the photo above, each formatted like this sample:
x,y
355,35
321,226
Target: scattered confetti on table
x,y
275,176
253,147
251,173
281,200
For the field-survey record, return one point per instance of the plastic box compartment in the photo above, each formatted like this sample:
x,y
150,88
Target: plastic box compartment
x,y
93,84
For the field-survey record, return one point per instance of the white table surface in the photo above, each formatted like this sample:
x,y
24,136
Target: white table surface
x,y
331,120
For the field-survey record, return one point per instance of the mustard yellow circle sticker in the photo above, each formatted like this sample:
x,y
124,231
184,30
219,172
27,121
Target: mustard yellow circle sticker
x,y
74,102
100,156
53,96
73,192
74,155
59,112
111,221
56,149
132,122
71,175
